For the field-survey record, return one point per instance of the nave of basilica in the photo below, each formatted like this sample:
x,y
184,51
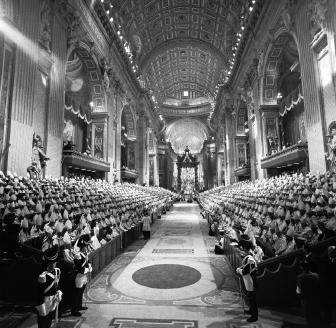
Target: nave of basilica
x,y
167,163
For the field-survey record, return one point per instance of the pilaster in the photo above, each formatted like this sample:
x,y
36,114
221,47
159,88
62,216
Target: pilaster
x,y
229,128
25,35
142,147
313,109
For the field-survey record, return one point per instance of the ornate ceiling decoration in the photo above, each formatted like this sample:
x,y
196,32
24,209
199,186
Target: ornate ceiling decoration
x,y
176,111
184,68
186,102
181,45
187,132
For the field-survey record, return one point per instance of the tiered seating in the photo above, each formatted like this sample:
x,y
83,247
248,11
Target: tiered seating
x,y
38,214
64,209
280,214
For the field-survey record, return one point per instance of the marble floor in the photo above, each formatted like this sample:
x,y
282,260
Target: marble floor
x,y
172,280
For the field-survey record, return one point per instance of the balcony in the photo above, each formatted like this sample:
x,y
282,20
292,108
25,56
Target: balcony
x,y
77,160
243,171
292,155
128,174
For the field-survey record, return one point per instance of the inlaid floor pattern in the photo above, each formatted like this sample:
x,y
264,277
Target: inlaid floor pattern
x,y
173,280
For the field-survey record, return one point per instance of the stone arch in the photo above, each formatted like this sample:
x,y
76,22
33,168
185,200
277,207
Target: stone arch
x,y
93,74
270,77
187,132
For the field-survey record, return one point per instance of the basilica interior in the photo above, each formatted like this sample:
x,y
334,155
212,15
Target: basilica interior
x,y
167,163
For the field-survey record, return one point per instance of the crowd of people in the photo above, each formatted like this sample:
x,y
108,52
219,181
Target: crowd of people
x,y
61,210
67,219
276,216
279,214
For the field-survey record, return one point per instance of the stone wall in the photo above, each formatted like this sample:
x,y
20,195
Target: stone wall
x,y
39,37
312,25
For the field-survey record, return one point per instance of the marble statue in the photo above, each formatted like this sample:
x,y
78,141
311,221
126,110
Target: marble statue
x,y
39,158
331,156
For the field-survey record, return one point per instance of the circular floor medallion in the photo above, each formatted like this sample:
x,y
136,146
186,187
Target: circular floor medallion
x,y
166,276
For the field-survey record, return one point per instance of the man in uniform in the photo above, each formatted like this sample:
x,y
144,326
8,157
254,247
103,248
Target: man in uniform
x,y
49,296
83,268
248,273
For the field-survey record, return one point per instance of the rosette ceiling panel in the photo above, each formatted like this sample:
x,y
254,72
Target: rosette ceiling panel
x,y
181,45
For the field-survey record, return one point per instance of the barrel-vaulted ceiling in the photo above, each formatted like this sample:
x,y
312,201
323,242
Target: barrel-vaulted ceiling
x,y
184,68
181,45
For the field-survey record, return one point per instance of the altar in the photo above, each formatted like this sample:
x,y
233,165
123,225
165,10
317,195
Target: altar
x,y
187,173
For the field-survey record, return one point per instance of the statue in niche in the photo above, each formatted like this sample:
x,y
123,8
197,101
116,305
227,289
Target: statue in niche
x,y
260,62
331,156
107,73
98,141
302,131
248,98
272,144
88,147
39,158
68,131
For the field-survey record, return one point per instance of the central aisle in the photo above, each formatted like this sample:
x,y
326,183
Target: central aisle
x,y
173,280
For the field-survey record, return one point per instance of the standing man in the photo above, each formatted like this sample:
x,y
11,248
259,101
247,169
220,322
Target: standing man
x,y
67,279
309,289
146,225
248,271
83,268
48,293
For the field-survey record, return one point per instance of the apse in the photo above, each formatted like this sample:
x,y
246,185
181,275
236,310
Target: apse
x,y
187,132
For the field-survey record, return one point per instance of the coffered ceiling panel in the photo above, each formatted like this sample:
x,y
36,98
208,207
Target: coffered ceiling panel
x,y
184,68
184,44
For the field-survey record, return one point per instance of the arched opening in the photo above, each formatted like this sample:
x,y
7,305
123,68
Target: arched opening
x,y
284,128
128,167
289,96
242,164
84,134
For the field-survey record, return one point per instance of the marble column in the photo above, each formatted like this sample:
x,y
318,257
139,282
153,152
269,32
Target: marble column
x,y
142,144
252,143
313,107
219,169
331,34
118,138
111,135
6,73
22,102
229,128
54,146
257,133
156,163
